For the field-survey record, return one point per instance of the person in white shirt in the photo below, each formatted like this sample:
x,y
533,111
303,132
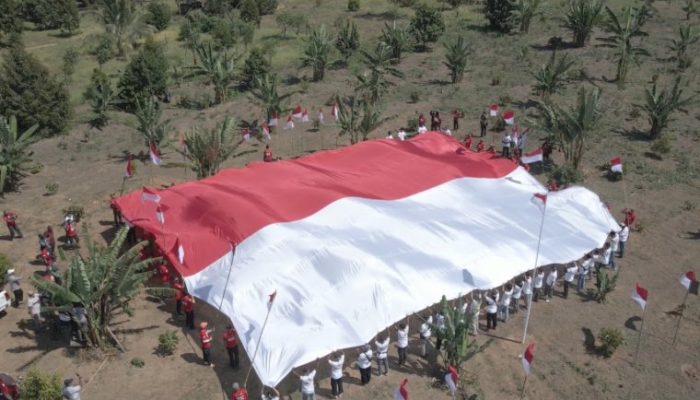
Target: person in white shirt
x,y
440,329
401,134
505,302
364,364
422,129
624,236
269,394
308,389
389,136
475,310
402,341
506,142
583,271
491,309
71,391
549,284
607,260
382,347
569,277
517,293
614,240
336,362
34,306
527,290
537,285
425,333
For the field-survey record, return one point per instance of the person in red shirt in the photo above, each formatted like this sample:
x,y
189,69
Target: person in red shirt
x,y
51,239
421,120
188,307
46,257
239,393
11,221
468,142
205,339
231,343
480,146
179,294
267,156
164,273
71,234
630,216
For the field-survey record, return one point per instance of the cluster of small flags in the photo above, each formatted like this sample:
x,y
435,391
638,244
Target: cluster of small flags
x,y
508,116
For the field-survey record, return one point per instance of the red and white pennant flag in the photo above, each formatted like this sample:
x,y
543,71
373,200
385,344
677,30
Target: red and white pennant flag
x,y
452,380
493,110
616,165
273,119
266,130
305,116
509,117
154,153
532,157
528,357
129,171
640,296
690,282
401,393
334,111
297,113
290,123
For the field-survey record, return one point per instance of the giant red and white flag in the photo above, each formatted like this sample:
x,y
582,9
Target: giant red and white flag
x,y
402,392
154,153
528,357
452,379
640,296
532,157
616,164
284,216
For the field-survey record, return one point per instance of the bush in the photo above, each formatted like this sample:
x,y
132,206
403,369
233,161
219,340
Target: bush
x,y
498,12
5,264
10,17
250,12
414,96
53,14
145,75
427,26
70,60
29,92
605,284
137,362
227,32
267,7
104,49
353,5
51,189
255,66
159,15
77,211
167,343
38,385
610,339
566,175
662,145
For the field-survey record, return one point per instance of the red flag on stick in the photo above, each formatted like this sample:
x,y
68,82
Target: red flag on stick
x,y
401,393
528,357
129,172
690,282
640,296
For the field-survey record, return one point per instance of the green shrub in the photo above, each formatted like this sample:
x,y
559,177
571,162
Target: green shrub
x,y
566,175
427,26
159,15
414,96
267,7
36,167
5,264
167,343
610,340
498,12
255,66
605,284
77,211
38,385
145,75
353,5
250,12
412,125
104,50
53,14
137,362
662,145
51,189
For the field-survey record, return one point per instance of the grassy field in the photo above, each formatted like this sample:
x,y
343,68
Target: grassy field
x,y
88,165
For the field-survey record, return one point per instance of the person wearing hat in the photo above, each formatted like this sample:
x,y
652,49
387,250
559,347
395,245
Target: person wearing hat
x,y
364,364
238,392
231,343
70,390
15,286
11,221
205,339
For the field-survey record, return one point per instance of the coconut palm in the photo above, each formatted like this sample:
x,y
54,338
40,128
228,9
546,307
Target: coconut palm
x,y
318,47
571,127
357,118
687,36
14,153
549,78
148,115
373,84
207,149
265,92
455,333
660,105
523,11
581,17
104,282
622,32
217,66
457,56
398,38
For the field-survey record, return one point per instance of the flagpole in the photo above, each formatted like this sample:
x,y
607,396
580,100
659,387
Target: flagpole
x,y
680,317
624,188
537,256
257,345
639,341
230,268
522,391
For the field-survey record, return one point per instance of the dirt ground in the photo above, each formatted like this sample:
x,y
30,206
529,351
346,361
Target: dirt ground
x,y
88,165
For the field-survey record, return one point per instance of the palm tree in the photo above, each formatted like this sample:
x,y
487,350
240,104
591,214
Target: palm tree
x,y
659,105
356,125
265,92
571,127
581,16
686,37
621,35
348,40
148,114
457,56
218,67
318,47
549,78
104,282
524,11
371,118
458,346
398,38
208,149
14,154
373,83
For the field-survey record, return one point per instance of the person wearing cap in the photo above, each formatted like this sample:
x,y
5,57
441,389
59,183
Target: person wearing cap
x,y
205,339
188,307
364,364
34,307
11,221
269,393
16,287
336,362
231,343
238,392
179,289
70,390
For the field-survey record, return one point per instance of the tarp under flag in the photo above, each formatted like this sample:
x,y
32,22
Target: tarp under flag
x,y
354,239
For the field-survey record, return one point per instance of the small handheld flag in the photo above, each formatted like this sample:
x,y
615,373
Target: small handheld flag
x,y
532,157
289,124
493,110
509,117
616,165
273,119
334,111
690,282
297,113
305,116
401,393
640,296
452,379
528,357
129,172
154,153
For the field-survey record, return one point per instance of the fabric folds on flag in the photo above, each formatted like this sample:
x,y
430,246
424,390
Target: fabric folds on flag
x,y
532,157
180,252
402,392
640,296
528,357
